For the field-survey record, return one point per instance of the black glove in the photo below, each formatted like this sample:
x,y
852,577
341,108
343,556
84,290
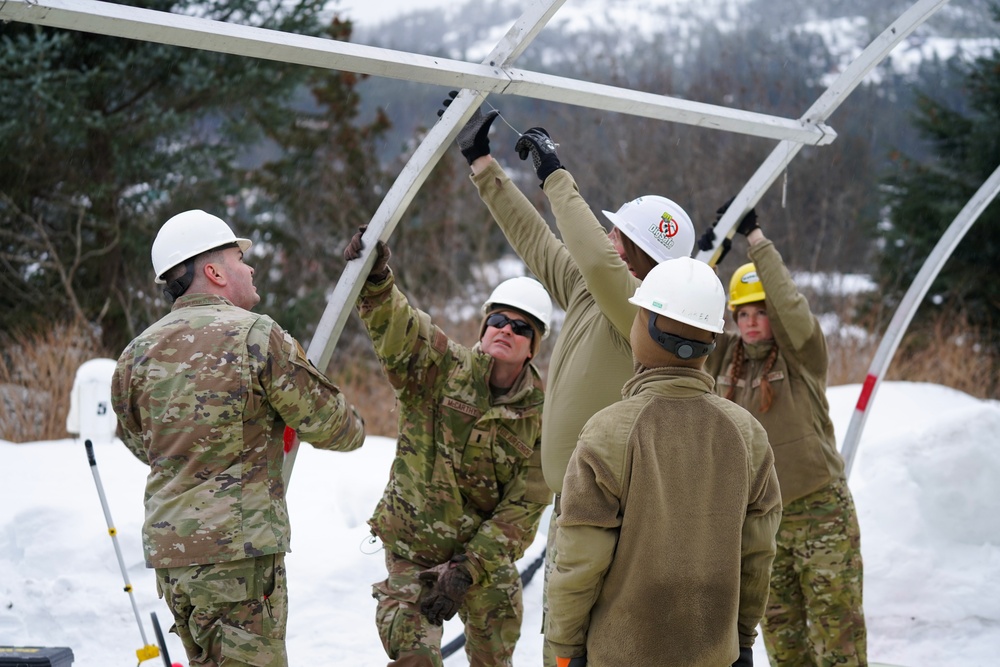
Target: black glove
x,y
543,151
380,269
705,240
448,583
746,657
746,225
473,139
580,661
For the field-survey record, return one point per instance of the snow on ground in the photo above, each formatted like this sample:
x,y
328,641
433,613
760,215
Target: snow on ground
x,y
925,483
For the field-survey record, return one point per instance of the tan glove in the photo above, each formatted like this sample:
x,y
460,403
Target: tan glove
x,y
380,269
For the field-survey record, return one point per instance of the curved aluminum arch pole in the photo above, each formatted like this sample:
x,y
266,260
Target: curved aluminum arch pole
x,y
908,307
399,196
821,109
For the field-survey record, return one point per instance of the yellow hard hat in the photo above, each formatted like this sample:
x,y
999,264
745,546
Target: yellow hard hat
x,y
745,286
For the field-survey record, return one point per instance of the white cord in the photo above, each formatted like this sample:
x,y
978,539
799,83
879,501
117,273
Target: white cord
x,y
518,132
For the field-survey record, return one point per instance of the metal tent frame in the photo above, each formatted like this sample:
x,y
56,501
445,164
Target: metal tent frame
x,y
908,307
496,75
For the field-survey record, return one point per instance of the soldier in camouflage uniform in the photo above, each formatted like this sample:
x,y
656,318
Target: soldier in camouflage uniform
x,y
203,397
465,492
776,368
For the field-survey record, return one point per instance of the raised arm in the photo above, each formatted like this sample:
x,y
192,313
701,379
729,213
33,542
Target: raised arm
x,y
795,327
526,230
406,342
606,276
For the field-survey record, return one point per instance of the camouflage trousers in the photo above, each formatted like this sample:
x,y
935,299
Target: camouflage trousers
x,y
548,657
491,612
229,614
814,616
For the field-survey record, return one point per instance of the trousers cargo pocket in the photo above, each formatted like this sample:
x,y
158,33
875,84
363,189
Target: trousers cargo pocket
x,y
252,649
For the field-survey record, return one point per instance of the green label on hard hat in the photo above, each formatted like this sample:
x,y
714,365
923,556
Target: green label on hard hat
x,y
657,304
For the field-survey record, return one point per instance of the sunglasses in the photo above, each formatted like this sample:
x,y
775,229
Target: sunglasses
x,y
519,327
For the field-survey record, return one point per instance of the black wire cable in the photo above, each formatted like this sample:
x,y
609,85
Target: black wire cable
x,y
529,572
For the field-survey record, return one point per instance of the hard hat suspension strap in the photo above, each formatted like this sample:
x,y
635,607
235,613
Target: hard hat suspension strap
x,y
179,285
682,348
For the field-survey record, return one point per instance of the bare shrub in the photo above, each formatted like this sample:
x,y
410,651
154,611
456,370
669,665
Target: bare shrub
x,y
36,377
37,369
945,350
850,356
952,352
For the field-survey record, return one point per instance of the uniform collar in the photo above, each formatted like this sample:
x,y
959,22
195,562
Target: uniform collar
x,y
529,380
758,351
682,381
200,299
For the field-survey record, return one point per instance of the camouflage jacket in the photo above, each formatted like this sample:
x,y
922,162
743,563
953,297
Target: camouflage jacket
x,y
467,474
203,397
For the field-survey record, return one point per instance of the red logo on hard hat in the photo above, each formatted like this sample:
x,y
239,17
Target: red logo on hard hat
x,y
668,226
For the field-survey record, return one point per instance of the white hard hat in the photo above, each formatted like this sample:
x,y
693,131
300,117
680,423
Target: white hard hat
x,y
524,294
189,234
657,225
685,290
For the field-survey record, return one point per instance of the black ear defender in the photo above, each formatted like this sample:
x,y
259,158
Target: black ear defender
x,y
682,348
177,287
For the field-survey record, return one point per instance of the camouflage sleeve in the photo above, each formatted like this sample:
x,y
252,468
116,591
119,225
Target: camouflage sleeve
x,y
128,424
406,342
133,442
503,538
304,398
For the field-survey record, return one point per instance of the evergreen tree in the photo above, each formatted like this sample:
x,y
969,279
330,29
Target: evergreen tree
x,y
104,138
307,202
924,197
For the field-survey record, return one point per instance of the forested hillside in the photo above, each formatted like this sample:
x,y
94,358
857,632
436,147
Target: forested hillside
x,y
103,138
833,211
769,57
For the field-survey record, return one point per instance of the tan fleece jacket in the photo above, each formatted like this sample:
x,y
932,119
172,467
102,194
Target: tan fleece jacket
x,y
667,533
798,423
592,357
